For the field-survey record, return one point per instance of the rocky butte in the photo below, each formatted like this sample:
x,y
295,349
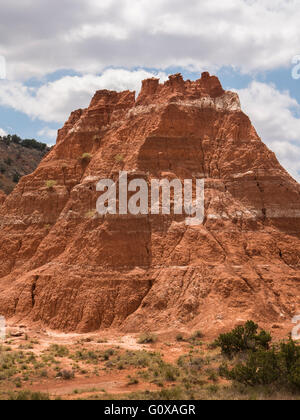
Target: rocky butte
x,y
67,268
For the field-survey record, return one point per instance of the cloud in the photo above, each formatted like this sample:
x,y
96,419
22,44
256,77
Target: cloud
x,y
276,116
89,36
54,101
48,133
273,113
2,132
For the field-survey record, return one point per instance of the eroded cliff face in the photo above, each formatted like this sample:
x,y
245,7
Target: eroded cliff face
x,y
2,197
71,269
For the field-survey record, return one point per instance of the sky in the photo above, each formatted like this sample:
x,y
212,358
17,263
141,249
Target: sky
x,y
55,55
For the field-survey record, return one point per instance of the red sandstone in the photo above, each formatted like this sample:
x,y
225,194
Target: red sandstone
x,y
68,269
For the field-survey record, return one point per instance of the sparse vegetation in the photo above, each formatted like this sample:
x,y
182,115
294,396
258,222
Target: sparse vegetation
x,y
119,158
50,184
97,139
90,214
260,371
16,178
17,159
197,335
179,337
58,351
147,338
86,157
132,381
66,375
196,338
28,396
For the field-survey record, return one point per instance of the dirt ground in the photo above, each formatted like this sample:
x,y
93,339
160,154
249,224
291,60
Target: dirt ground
x,y
103,365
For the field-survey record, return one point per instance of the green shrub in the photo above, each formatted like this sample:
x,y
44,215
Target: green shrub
x,y
294,376
261,368
28,143
243,338
65,374
279,365
33,144
289,360
16,178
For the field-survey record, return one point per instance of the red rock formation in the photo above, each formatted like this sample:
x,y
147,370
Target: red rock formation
x,y
70,269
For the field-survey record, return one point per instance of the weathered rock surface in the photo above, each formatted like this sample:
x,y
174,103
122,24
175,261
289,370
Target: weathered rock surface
x,y
64,266
2,197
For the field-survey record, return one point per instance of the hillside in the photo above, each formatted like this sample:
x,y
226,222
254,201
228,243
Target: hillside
x,y
18,158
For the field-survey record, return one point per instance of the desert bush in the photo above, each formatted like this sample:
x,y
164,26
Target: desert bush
x,y
212,375
65,374
170,373
147,338
86,157
108,353
179,337
97,138
16,178
195,338
191,362
279,365
138,359
289,361
132,381
119,158
243,338
50,184
261,368
90,214
29,396
33,144
87,356
58,351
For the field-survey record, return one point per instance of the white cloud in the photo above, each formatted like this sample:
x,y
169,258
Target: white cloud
x,y
2,132
275,116
273,113
89,36
48,133
54,101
